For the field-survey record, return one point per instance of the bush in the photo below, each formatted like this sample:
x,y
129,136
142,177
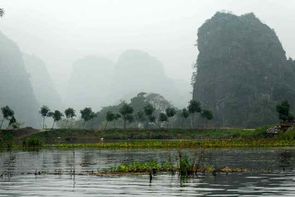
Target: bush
x,y
288,135
186,166
32,143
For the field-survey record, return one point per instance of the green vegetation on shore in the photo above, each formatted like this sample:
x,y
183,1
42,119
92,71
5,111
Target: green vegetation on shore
x,y
150,144
128,139
69,136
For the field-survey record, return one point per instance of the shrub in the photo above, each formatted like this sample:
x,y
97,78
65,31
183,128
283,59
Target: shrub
x,y
32,143
288,135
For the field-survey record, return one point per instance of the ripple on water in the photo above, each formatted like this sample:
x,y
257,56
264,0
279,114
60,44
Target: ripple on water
x,y
14,183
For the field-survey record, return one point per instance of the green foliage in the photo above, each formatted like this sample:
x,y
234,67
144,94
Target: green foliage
x,y
163,117
1,12
152,118
140,116
194,107
87,114
45,112
126,109
149,109
110,116
32,143
186,166
126,112
136,167
117,116
56,116
129,118
185,113
154,104
170,112
283,110
13,123
7,140
8,114
70,113
207,114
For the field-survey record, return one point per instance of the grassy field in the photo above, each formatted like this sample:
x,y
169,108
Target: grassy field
x,y
156,144
93,136
128,139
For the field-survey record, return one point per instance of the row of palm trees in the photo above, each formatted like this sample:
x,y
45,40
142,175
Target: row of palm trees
x,y
147,115
126,114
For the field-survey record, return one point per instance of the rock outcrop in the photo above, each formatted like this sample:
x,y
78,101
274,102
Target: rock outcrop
x,y
242,71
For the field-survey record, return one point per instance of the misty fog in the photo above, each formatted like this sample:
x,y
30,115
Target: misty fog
x,y
70,37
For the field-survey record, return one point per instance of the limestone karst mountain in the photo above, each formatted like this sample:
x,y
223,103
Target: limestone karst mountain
x,y
42,83
97,82
15,87
242,71
137,71
90,82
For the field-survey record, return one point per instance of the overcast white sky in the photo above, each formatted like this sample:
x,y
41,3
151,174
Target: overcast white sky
x,y
61,31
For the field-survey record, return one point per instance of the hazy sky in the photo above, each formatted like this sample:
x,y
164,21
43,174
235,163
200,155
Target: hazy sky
x,y
61,31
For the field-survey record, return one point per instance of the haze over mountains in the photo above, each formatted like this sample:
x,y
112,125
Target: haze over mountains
x,y
15,87
43,86
97,81
242,73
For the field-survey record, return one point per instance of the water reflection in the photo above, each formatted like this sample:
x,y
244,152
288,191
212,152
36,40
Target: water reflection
x,y
18,177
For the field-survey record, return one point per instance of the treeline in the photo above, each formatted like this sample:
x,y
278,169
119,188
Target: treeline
x,y
147,117
140,113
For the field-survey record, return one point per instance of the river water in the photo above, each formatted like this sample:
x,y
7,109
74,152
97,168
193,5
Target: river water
x,y
272,173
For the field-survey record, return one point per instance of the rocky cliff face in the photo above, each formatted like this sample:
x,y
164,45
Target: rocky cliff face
x,y
42,83
15,87
242,71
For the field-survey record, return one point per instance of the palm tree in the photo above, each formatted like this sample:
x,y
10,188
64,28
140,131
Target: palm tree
x,y
45,112
184,115
193,108
170,112
7,114
56,116
126,113
1,12
70,114
87,114
110,116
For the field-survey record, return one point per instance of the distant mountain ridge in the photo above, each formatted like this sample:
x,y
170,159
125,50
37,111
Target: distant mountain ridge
x,y
90,83
97,82
15,87
42,83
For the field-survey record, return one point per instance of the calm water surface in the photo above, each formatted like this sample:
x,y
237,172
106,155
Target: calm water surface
x,y
17,176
